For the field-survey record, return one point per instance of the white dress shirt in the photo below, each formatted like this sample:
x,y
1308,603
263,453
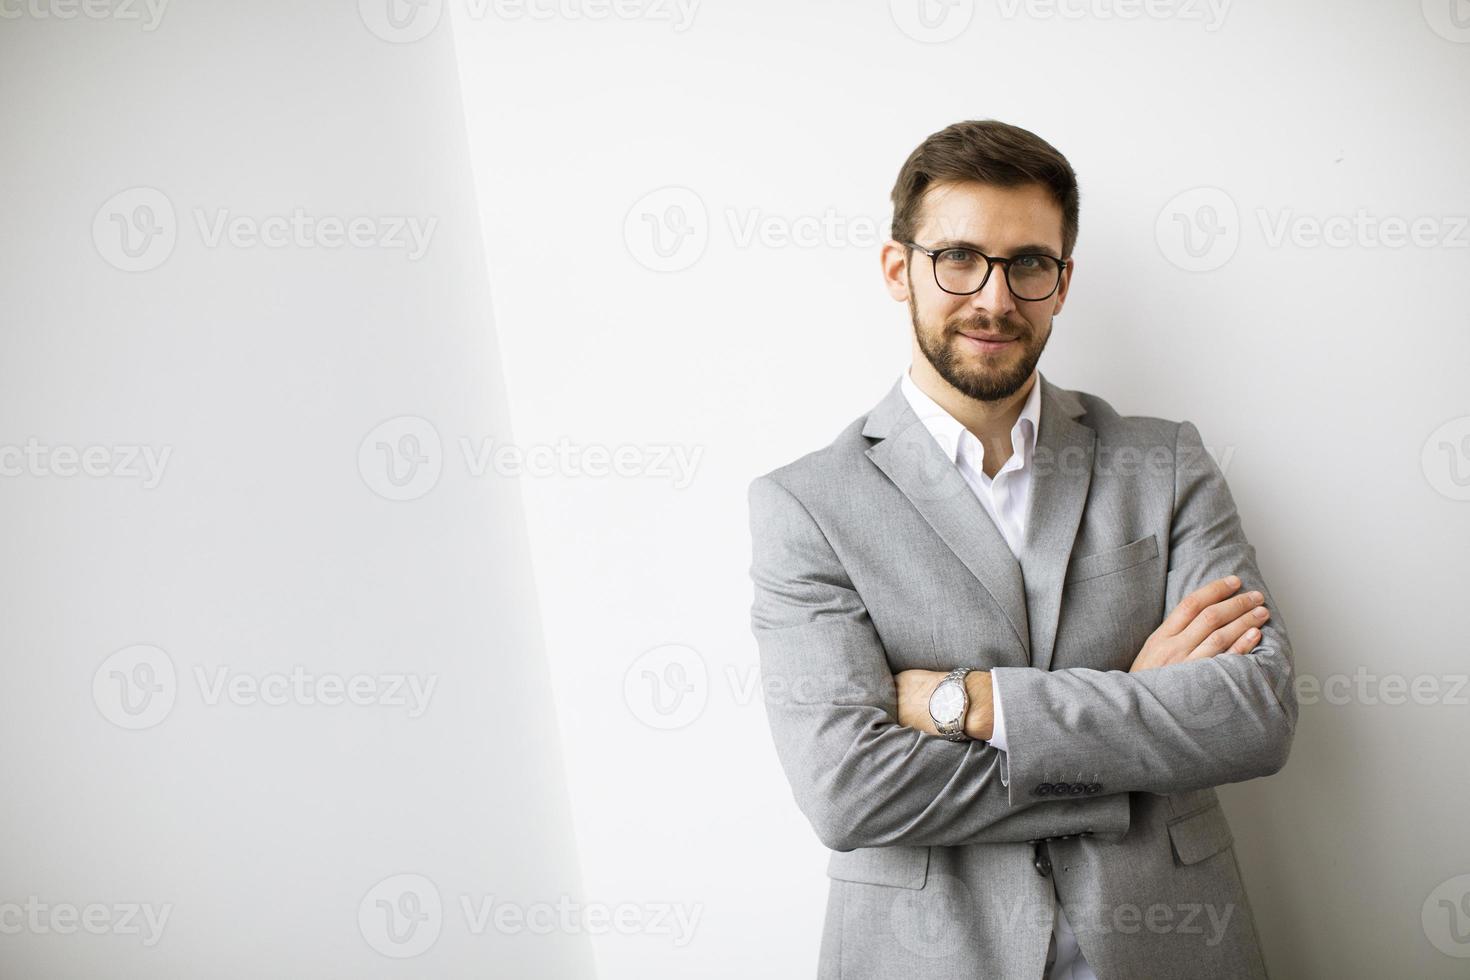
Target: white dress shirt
x,y
1004,498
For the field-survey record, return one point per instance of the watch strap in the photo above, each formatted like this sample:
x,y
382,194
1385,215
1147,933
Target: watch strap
x,y
955,730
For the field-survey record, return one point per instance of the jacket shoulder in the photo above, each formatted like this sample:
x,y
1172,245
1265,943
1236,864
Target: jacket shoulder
x,y
1099,415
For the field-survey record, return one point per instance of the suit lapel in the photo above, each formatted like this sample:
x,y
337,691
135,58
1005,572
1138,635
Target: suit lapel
x,y
1060,478
1062,472
914,462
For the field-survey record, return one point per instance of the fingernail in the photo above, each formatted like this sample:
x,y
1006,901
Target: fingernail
x,y
1233,581
1261,613
1252,633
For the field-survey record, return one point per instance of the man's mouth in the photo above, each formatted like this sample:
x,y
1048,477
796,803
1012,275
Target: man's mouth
x,y
986,343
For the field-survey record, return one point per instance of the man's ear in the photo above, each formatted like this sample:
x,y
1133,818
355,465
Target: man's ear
x,y
895,261
1061,297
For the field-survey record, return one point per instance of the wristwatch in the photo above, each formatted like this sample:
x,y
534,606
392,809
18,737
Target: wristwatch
x,y
949,704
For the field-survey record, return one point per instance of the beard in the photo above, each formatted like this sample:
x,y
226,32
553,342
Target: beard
x,y
984,377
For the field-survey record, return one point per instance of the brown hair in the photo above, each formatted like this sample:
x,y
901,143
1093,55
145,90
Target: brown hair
x,y
990,152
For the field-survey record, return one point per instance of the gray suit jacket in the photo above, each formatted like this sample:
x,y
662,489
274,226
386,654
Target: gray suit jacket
x,y
872,555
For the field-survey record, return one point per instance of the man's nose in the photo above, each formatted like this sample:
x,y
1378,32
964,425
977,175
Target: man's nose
x,y
996,295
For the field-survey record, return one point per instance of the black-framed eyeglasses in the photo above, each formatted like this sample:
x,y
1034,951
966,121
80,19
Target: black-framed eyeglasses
x,y
963,271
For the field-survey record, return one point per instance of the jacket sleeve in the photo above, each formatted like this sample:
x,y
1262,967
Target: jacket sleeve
x,y
1187,726
859,777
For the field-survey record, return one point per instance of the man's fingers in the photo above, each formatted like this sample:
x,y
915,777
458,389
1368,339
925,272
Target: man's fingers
x,y
1220,615
1244,631
1248,641
1197,602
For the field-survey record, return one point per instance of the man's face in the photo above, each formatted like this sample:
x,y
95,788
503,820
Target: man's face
x,y
952,331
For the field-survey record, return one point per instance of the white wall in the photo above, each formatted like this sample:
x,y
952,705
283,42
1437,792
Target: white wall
x,y
1321,371
262,836
1325,373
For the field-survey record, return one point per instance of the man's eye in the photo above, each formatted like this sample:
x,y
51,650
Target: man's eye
x,y
959,256
1028,261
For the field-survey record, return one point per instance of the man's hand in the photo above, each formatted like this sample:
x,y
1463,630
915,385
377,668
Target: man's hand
x,y
1209,621
915,687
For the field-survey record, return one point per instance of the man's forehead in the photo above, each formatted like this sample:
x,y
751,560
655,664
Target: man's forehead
x,y
965,211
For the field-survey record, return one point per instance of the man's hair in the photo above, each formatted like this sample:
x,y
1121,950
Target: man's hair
x,y
990,152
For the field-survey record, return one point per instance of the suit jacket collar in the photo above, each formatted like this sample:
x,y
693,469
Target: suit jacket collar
x,y
1029,592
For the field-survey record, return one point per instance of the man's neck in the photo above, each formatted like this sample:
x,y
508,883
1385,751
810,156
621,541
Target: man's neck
x,y
989,421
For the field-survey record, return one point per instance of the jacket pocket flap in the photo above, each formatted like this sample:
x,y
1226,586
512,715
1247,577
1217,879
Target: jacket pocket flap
x,y
1107,562
1199,835
901,866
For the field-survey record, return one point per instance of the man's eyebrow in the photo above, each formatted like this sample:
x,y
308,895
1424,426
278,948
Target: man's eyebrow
x,y
1031,248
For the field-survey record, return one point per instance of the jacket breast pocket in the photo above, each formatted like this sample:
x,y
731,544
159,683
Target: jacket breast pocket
x,y
901,866
1107,562
1199,835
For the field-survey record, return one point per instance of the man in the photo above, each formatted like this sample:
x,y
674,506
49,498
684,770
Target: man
x,y
1046,810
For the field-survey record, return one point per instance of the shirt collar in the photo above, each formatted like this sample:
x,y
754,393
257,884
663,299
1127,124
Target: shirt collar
x,y
947,430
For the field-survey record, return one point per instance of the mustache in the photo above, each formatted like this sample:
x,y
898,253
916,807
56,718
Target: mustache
x,y
1017,330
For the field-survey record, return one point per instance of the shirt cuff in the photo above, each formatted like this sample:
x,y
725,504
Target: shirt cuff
x,y
998,733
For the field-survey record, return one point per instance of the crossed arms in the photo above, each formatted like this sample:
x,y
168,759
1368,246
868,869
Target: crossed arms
x,y
863,778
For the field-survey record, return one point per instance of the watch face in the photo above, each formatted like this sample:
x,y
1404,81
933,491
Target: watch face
x,y
947,701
